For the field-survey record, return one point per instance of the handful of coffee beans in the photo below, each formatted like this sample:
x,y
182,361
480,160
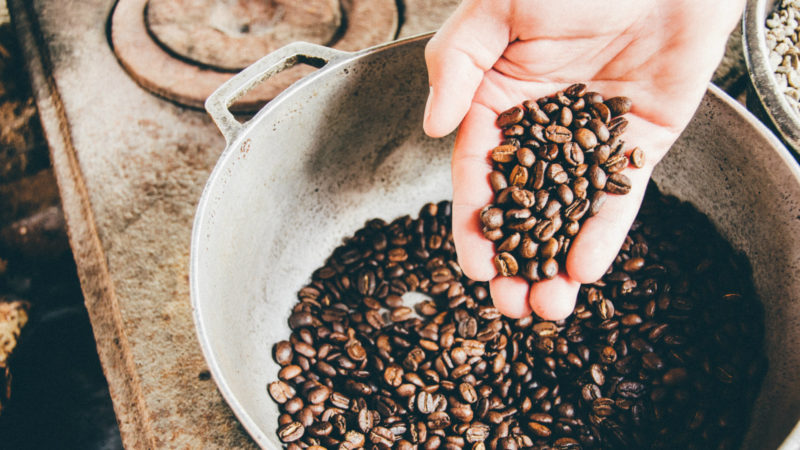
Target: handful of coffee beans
x,y
561,157
665,351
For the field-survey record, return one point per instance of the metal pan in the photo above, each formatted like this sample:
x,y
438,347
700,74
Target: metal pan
x,y
766,96
345,144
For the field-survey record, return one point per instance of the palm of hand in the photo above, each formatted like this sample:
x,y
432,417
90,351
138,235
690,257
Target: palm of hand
x,y
631,59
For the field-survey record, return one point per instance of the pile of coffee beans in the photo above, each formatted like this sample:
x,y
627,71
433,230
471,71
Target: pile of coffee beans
x,y
665,351
560,158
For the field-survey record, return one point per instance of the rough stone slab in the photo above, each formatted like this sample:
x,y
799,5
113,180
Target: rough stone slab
x,y
422,16
130,168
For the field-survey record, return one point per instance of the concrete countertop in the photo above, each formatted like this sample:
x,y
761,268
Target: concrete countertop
x,y
130,168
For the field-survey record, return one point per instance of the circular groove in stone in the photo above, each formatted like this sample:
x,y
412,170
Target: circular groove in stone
x,y
232,34
369,22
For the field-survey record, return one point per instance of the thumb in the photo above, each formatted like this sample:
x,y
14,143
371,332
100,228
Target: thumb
x,y
467,45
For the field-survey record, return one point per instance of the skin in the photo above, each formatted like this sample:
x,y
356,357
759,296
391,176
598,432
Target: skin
x,y
492,54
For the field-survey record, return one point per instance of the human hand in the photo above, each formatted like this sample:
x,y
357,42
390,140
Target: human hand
x,y
492,54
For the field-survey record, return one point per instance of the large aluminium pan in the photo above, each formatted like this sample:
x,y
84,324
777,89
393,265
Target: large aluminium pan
x,y
345,144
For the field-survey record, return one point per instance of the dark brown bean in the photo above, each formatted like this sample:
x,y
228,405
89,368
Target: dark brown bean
x,y
618,183
280,391
557,134
549,268
518,176
492,218
506,264
600,130
283,353
597,177
619,105
510,117
637,158
291,432
504,153
525,157
585,138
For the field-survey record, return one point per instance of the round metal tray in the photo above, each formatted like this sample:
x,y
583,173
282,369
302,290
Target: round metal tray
x,y
774,106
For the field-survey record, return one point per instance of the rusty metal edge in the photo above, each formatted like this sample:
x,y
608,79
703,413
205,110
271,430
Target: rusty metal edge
x,y
100,298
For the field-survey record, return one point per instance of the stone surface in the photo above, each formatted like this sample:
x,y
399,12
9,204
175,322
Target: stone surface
x,y
422,16
369,22
234,34
130,167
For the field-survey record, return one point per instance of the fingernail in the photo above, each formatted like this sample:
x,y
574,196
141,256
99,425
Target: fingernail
x,y
428,104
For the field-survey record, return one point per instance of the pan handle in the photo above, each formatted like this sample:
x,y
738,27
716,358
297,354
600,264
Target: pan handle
x,y
219,102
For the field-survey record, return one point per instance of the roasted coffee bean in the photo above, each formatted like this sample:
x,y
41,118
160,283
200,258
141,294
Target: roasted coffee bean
x,y
514,131
572,154
576,210
565,117
600,154
675,376
289,372
549,249
555,173
596,203
291,432
518,176
492,218
393,375
468,393
517,214
565,194
618,183
619,105
523,198
319,395
557,134
630,389
596,176
504,153
601,111
280,391
544,230
615,163
525,157
641,354
511,116
283,353
498,181
600,130
320,429
580,187
506,264
571,228
510,243
382,436
585,138
548,152
538,174
531,270
637,157
549,268
301,319
603,407
651,361
438,420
